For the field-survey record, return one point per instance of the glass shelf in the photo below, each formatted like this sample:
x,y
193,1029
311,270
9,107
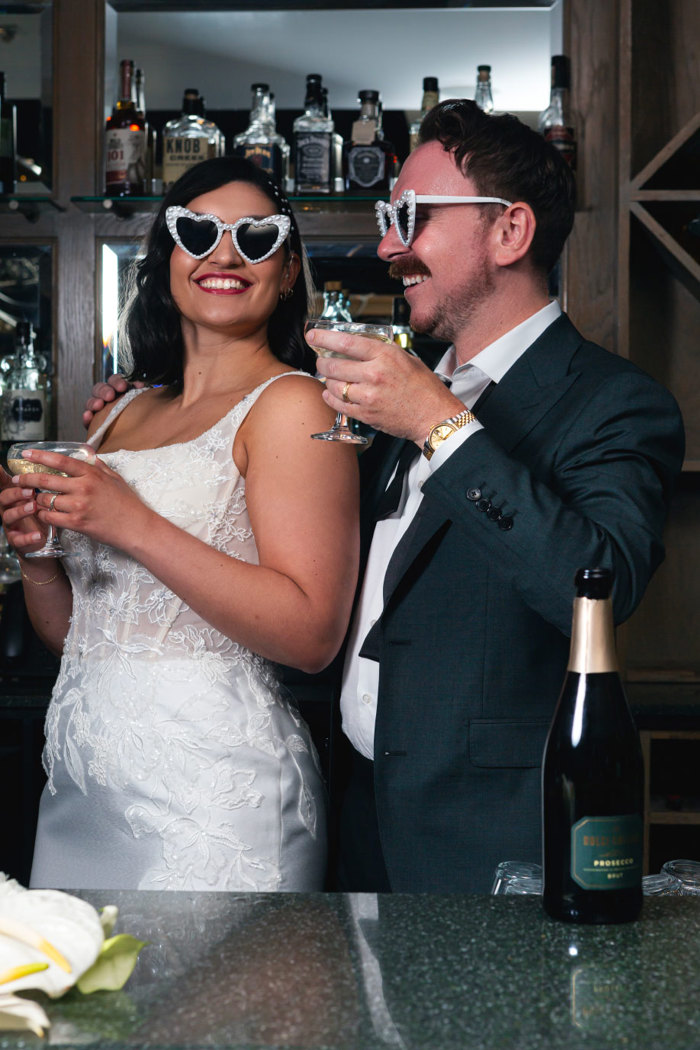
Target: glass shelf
x,y
29,205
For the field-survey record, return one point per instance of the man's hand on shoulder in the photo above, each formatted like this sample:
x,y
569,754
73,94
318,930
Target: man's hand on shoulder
x,y
103,393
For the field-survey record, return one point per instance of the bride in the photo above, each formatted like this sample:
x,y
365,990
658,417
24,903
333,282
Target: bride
x,y
213,540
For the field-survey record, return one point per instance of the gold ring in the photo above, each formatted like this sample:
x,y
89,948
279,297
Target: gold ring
x,y
346,399
53,500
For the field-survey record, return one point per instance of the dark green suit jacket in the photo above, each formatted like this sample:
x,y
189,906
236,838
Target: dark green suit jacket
x,y
574,468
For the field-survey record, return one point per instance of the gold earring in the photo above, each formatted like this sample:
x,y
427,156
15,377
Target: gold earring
x,y
286,294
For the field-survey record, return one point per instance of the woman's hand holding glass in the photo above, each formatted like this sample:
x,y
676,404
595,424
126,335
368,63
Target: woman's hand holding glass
x,y
75,491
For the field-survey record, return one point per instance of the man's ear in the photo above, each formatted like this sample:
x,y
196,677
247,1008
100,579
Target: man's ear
x,y
513,233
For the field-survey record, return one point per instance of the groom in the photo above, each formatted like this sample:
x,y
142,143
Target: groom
x,y
528,453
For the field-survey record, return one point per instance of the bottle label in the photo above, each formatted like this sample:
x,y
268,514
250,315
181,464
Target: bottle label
x,y
364,132
366,165
125,161
564,140
313,160
23,415
181,153
266,157
606,852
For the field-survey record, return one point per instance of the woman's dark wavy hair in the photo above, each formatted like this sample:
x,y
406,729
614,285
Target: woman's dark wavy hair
x,y
505,158
151,331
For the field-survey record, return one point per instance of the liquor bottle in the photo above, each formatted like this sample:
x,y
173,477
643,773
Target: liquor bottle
x,y
336,148
592,776
335,305
482,95
125,134
8,142
369,161
431,97
556,122
260,142
139,96
189,139
313,142
24,389
403,333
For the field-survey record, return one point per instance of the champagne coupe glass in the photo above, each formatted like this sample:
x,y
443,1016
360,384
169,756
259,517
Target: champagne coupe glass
x,y
341,431
17,464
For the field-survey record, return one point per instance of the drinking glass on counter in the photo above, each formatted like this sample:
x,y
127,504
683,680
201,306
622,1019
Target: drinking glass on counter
x,y
17,464
687,875
517,877
341,430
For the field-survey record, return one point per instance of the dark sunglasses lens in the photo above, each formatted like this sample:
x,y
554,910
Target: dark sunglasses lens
x,y
197,237
402,215
256,241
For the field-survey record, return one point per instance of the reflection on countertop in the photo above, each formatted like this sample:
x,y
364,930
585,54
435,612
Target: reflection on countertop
x,y
364,972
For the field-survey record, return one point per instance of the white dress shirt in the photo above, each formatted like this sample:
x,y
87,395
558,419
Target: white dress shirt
x,y
358,698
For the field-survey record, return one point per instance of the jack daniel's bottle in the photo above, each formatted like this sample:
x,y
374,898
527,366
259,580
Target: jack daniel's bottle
x,y
370,162
592,776
313,142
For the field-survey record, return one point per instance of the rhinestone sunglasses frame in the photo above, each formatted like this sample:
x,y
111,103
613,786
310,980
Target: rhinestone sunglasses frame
x,y
387,213
176,211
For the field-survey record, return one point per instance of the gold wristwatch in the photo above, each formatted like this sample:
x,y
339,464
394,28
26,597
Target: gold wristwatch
x,y
442,430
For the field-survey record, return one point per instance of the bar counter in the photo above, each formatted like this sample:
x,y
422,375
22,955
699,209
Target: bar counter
x,y
328,971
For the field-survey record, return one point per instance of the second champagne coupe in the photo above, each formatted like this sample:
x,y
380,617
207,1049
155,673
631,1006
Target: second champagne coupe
x,y
341,430
17,464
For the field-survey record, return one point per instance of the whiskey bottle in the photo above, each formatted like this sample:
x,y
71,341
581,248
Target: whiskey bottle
x,y
556,122
483,95
313,142
260,142
125,135
403,333
369,160
189,139
335,305
336,148
8,142
431,97
24,383
139,95
592,776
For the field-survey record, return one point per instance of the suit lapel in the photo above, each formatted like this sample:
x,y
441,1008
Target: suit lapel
x,y
508,410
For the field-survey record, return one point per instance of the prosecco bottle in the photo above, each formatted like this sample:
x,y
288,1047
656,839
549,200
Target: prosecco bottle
x,y
592,776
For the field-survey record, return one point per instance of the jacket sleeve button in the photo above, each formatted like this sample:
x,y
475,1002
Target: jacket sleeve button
x,y
505,523
483,505
494,513
474,494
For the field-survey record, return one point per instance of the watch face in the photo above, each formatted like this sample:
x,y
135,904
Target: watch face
x,y
440,432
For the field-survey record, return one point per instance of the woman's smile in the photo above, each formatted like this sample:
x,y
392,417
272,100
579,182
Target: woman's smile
x,y
222,284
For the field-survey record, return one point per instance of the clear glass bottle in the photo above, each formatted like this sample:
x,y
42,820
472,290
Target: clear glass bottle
x,y
556,122
483,95
189,139
431,97
313,142
369,160
335,304
125,142
139,91
260,142
8,142
337,149
24,385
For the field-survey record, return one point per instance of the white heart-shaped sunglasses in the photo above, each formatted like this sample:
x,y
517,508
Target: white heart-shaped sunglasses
x,y
402,213
254,239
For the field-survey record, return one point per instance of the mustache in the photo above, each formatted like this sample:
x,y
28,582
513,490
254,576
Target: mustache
x,y
403,267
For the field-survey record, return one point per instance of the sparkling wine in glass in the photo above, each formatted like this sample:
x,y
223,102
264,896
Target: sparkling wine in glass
x,y
341,430
17,464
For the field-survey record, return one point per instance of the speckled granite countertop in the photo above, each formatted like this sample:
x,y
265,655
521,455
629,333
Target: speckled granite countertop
x,y
361,972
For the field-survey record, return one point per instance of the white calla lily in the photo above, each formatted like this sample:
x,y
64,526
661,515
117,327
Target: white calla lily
x,y
19,1015
45,926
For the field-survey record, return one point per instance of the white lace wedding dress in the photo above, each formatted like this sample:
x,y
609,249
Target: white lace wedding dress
x,y
174,760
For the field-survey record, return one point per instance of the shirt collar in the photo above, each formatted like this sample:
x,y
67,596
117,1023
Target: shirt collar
x,y
496,358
